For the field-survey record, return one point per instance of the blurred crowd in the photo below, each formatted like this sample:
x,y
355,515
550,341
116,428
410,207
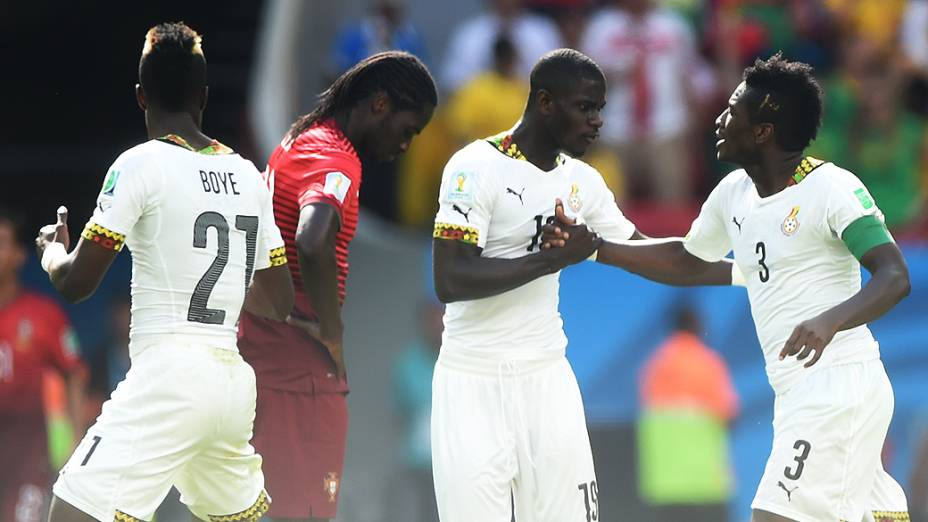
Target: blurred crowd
x,y
670,66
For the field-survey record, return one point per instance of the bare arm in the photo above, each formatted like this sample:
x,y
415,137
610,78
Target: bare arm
x,y
664,260
889,284
76,383
315,245
271,293
462,273
76,275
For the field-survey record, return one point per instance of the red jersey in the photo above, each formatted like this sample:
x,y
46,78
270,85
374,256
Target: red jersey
x,y
319,166
34,335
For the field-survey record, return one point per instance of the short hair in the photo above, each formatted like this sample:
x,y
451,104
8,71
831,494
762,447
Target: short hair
x,y
403,77
172,69
789,97
558,71
15,220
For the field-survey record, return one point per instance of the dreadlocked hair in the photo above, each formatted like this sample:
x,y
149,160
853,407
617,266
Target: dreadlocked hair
x,y
402,76
789,97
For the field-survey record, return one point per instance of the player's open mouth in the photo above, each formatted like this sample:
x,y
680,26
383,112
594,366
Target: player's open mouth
x,y
719,139
590,138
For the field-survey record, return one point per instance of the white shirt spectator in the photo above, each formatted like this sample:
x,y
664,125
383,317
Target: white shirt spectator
x,y
471,49
661,48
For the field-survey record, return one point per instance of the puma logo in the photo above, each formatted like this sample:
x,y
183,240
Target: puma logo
x,y
789,492
460,211
735,221
516,194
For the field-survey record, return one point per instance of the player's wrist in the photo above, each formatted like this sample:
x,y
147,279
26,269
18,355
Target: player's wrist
x,y
53,254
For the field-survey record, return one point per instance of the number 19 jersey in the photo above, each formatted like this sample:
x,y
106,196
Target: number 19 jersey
x,y
198,224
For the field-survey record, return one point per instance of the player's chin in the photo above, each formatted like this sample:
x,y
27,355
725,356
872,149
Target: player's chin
x,y
577,148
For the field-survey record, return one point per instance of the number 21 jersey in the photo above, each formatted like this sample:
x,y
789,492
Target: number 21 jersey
x,y
198,224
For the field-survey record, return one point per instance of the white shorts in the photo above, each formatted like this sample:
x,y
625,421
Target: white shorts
x,y
183,416
828,433
511,431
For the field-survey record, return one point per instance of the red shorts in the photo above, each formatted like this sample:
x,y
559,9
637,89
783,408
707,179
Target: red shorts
x,y
24,483
302,439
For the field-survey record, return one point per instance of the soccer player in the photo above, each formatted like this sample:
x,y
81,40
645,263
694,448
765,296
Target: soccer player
x,y
801,228
372,111
198,220
35,336
507,417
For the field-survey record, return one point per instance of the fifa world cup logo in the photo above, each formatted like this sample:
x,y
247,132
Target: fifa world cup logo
x,y
461,179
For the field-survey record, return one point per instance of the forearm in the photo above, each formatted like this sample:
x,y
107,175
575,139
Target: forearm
x,y
884,290
666,261
319,272
60,267
466,278
271,293
76,383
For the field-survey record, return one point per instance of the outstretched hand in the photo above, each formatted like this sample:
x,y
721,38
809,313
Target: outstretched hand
x,y
55,233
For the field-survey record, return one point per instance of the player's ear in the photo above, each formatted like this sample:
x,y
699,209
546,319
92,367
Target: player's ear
x,y
763,133
545,101
140,97
380,103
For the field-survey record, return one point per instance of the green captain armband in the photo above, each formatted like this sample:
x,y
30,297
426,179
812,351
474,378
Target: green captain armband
x,y
864,234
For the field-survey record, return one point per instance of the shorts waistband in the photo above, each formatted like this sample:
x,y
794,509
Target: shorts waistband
x,y
509,364
225,353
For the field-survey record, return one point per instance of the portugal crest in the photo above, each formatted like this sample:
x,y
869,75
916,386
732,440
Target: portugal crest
x,y
791,223
330,484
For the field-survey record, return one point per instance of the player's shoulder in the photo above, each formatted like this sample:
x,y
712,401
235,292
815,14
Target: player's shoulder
x,y
828,174
324,138
141,154
319,149
734,181
476,155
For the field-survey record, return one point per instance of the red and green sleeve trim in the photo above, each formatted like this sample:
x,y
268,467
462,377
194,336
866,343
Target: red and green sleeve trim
x,y
864,234
103,237
464,234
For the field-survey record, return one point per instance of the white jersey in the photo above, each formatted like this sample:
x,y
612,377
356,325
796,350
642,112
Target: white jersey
x,y
499,202
789,247
198,225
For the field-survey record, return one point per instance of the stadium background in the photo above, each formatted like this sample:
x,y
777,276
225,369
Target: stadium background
x,y
69,110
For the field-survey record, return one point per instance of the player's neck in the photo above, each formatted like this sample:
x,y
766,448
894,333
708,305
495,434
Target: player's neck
x,y
536,145
352,129
179,123
773,174
8,291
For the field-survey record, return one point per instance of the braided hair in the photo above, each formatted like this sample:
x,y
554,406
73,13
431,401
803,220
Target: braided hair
x,y
402,76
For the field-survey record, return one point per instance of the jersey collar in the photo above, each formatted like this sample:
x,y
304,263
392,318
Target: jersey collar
x,y
805,167
214,148
505,144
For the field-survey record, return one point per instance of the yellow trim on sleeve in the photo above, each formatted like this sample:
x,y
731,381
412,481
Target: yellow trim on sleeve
x,y
103,236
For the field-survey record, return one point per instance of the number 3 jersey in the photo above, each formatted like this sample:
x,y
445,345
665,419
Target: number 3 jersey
x,y
491,197
198,223
798,250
